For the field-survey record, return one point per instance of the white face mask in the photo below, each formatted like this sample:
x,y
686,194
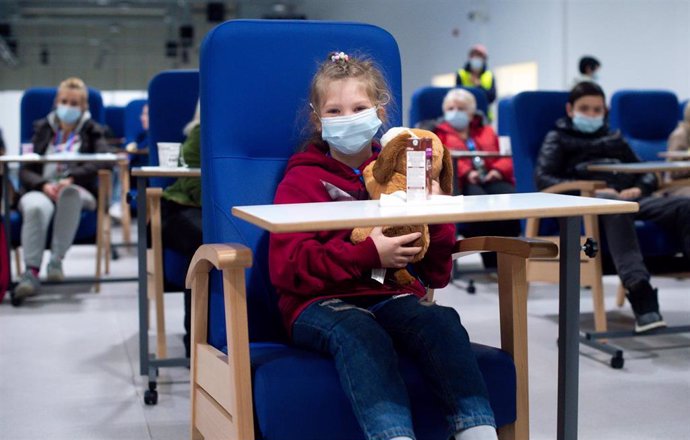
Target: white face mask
x,y
352,133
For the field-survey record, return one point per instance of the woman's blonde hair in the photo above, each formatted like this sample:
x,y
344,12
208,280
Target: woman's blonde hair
x,y
196,120
461,95
74,83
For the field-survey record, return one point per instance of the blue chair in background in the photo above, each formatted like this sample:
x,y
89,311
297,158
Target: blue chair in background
x,y
505,115
247,381
681,109
37,102
132,120
645,118
427,102
115,121
94,226
173,97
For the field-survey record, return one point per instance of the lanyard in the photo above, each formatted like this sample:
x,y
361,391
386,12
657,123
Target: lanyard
x,y
68,144
470,144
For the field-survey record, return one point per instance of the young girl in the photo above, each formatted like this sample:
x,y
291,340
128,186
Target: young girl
x,y
329,301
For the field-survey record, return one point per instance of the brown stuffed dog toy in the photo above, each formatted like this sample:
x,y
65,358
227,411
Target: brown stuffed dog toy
x,y
387,174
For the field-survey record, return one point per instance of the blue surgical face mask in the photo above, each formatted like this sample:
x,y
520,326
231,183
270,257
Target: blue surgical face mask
x,y
476,63
68,114
587,124
457,118
352,133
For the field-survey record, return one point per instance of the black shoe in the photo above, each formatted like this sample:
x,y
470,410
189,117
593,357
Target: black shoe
x,y
645,304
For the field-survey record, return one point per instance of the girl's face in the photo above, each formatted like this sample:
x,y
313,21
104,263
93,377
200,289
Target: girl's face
x,y
590,105
344,97
71,97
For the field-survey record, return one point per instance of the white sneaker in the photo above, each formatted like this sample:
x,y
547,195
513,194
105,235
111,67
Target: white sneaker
x,y
28,286
115,211
55,272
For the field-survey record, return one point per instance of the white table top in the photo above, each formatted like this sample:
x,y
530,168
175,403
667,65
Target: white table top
x,y
459,154
678,154
642,167
166,172
341,215
61,157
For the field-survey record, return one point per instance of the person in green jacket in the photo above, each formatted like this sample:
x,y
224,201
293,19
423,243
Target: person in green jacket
x,y
181,209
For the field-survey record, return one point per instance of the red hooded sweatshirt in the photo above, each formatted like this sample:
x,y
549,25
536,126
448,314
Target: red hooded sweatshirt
x,y
308,266
485,139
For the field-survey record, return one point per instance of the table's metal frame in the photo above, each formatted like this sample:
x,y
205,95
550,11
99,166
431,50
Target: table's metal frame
x,y
148,364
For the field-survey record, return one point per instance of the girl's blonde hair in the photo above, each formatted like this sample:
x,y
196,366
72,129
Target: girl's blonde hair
x,y
74,83
339,66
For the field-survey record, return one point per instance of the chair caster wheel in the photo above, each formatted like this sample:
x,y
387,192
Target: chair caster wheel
x,y
151,397
470,288
16,302
617,362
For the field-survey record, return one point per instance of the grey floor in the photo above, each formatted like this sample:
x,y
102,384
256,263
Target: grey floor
x,y
69,363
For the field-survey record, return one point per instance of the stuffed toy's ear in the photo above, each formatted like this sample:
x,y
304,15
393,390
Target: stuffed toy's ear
x,y
447,175
387,162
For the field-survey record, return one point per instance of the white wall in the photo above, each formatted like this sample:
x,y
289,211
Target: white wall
x,y
641,43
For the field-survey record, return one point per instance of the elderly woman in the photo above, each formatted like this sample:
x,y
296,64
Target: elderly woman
x,y
680,141
57,192
462,128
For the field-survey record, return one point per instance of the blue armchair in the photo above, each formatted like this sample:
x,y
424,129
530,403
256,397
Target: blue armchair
x,y
645,118
94,226
247,381
115,121
173,97
426,103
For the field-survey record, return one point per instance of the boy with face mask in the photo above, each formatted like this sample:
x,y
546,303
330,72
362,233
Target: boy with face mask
x,y
583,138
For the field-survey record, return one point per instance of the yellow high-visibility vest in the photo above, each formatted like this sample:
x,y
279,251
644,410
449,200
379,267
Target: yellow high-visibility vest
x,y
485,80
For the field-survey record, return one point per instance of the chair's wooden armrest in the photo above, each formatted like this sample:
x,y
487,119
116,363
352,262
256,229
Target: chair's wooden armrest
x,y
583,186
154,193
218,256
675,183
518,246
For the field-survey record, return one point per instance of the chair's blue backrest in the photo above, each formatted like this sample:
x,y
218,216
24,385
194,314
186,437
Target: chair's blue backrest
x,y
427,102
505,114
645,118
255,78
681,109
132,120
533,115
115,120
37,102
173,95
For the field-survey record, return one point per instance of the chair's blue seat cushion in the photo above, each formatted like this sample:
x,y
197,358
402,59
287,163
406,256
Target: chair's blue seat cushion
x,y
175,267
293,386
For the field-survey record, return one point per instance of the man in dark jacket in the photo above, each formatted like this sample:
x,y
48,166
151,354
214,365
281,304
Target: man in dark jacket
x,y
583,138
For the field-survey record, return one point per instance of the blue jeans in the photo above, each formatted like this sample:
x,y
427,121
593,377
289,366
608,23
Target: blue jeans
x,y
362,336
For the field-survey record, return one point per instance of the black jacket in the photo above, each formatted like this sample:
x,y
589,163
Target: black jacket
x,y
84,173
566,152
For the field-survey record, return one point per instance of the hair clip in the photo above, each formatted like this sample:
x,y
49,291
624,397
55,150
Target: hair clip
x,y
340,56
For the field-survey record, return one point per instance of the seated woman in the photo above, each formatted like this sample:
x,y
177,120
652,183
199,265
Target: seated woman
x,y
583,138
55,191
680,141
181,209
462,128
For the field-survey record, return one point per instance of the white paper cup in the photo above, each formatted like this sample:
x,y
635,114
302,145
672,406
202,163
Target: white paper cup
x,y
168,154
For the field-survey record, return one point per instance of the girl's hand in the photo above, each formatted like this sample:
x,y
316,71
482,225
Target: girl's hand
x,y
631,193
436,189
392,250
